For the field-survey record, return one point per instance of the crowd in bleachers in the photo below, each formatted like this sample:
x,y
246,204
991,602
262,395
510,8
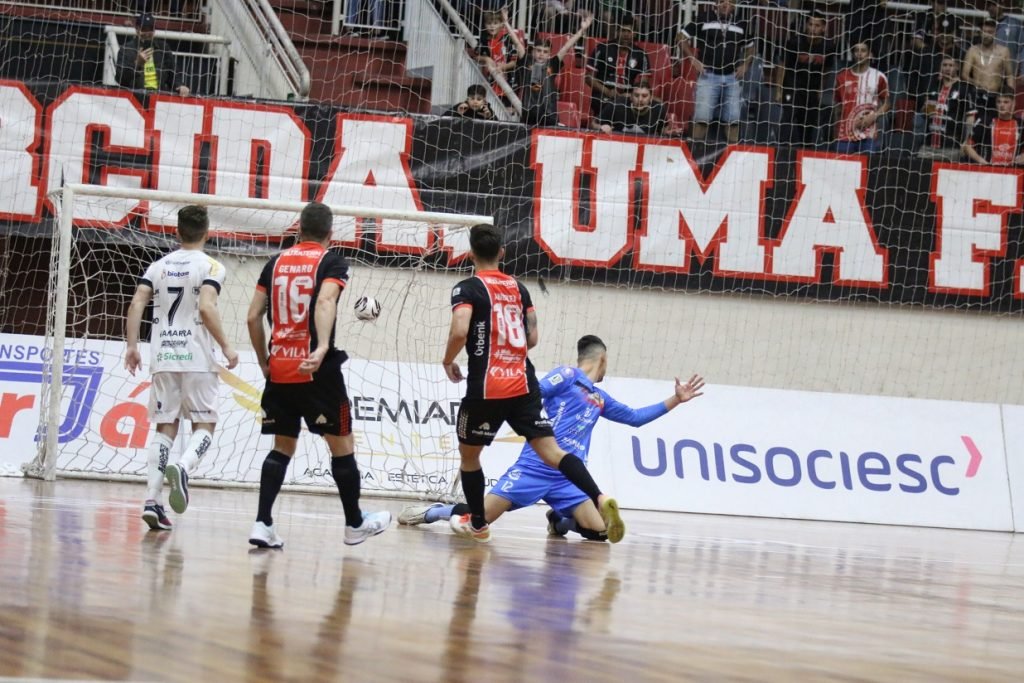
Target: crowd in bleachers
x,y
852,77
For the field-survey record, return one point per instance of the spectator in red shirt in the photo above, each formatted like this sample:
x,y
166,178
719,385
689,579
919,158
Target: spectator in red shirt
x,y
997,142
861,98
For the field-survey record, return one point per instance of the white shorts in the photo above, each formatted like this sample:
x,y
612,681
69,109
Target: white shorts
x,y
191,395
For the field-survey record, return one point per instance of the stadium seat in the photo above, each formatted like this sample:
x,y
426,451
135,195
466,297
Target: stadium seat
x,y
660,57
569,115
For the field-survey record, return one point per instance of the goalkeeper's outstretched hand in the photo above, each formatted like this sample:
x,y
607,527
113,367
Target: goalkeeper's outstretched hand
x,y
692,388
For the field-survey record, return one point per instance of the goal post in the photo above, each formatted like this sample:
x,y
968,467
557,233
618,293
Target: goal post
x,y
92,414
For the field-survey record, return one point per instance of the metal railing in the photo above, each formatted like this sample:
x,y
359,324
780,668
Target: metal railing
x,y
343,11
269,66
113,46
162,9
499,80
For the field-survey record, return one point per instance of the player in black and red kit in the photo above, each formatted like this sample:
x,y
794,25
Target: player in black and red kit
x,y
494,320
298,293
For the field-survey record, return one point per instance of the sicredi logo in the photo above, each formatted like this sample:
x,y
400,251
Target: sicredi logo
x,y
825,469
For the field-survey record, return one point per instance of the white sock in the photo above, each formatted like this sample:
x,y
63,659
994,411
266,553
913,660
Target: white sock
x,y
197,446
159,451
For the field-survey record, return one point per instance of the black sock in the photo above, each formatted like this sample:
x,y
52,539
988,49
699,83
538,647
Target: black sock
x,y
576,472
271,479
460,509
473,484
346,475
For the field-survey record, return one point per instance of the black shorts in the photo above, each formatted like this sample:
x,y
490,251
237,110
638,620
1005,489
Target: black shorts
x,y
322,403
481,418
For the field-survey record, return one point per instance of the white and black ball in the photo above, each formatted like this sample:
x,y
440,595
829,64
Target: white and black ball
x,y
367,308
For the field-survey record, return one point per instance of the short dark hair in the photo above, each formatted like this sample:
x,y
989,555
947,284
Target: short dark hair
x,y
989,21
476,90
315,221
193,223
589,345
485,241
542,42
817,14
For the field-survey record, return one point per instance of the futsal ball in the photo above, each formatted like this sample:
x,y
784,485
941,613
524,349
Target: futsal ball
x,y
367,308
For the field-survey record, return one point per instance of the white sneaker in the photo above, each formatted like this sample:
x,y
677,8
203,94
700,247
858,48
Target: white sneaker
x,y
416,514
373,523
463,526
263,536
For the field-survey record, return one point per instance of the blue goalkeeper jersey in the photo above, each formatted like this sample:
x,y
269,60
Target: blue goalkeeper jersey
x,y
573,403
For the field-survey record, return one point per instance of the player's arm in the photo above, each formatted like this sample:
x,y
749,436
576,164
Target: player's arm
x,y
458,333
132,357
208,311
637,417
257,333
1008,70
532,333
323,319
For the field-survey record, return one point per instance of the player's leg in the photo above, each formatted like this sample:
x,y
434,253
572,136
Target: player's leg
x,y
576,472
478,422
329,414
199,403
527,419
164,408
413,515
572,510
472,525
282,420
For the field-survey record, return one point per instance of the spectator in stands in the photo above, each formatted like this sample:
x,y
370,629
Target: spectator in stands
x,y
145,63
868,22
641,114
923,60
950,111
1009,32
475,106
500,49
800,81
725,47
539,76
989,67
997,142
615,67
861,99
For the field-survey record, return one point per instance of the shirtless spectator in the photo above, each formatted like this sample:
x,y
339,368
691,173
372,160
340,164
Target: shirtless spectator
x,y
990,69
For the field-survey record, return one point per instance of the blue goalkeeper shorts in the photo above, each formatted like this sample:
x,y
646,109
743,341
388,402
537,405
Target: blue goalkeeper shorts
x,y
524,486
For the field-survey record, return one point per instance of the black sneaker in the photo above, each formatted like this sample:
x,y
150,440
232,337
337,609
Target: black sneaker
x,y
553,519
153,515
177,477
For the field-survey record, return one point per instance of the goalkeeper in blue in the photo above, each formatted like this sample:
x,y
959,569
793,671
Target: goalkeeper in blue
x,y
574,403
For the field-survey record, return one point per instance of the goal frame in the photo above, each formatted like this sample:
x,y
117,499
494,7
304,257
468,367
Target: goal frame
x,y
44,464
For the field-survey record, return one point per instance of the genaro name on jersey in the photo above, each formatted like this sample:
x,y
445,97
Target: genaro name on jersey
x,y
180,342
574,403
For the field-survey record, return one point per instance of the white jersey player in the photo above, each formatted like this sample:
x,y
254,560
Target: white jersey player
x,y
183,286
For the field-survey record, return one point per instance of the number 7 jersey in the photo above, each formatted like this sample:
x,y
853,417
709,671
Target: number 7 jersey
x,y
498,366
180,342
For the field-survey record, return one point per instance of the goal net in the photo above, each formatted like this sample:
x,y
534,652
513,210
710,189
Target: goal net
x,y
93,413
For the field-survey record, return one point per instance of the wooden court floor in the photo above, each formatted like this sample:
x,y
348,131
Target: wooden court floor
x,y
86,592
